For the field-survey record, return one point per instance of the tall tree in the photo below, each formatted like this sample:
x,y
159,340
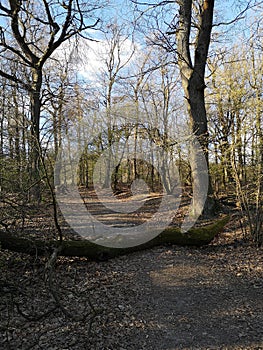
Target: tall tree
x,y
115,60
187,40
192,70
33,31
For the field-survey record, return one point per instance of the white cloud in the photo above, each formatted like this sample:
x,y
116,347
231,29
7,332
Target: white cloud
x,y
94,57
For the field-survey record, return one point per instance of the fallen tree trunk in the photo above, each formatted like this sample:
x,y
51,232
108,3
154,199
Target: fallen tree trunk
x,y
197,236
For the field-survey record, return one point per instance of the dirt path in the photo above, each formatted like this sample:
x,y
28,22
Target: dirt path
x,y
165,298
182,298
199,303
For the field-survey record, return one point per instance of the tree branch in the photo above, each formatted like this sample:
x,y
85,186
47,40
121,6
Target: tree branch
x,y
204,35
15,8
16,80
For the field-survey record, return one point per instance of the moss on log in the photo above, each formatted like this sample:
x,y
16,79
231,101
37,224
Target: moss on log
x,y
196,236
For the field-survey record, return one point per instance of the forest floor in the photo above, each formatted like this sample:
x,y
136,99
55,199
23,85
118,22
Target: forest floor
x,y
165,298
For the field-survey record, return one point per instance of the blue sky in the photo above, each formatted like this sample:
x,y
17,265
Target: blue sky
x,y
122,10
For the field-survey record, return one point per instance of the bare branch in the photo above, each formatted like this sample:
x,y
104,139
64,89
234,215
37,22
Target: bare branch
x,y
5,9
161,3
237,18
15,9
16,80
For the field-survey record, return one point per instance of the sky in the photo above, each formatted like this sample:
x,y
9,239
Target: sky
x,y
95,53
122,11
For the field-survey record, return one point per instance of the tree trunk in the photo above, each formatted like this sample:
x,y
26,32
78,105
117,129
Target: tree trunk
x,y
198,124
35,100
194,237
192,76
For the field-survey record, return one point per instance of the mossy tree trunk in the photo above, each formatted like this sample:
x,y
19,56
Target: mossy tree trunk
x,y
194,237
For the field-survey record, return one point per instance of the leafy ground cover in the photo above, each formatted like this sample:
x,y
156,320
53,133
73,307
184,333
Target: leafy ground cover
x,y
164,298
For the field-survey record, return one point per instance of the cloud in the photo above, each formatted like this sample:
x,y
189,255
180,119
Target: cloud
x,y
95,57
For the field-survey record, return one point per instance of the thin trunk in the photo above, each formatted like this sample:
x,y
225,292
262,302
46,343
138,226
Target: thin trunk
x,y
35,101
107,179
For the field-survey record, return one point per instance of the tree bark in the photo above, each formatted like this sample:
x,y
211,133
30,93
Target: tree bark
x,y
194,237
192,76
35,101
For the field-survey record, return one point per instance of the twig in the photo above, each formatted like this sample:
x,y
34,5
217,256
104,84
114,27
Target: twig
x,y
50,278
37,317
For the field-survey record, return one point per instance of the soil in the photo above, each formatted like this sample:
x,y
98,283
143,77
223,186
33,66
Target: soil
x,y
165,298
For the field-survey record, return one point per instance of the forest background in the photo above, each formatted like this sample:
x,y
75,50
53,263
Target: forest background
x,y
120,73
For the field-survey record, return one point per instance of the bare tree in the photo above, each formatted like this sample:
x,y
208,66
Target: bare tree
x,y
192,72
32,33
187,39
116,59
